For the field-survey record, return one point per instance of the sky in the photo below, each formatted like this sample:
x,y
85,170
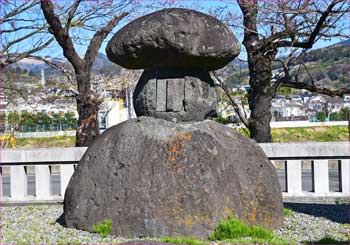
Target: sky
x,y
200,5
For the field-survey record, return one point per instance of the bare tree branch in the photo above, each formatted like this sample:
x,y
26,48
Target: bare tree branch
x,y
12,58
15,32
232,101
315,89
61,35
71,14
317,29
99,36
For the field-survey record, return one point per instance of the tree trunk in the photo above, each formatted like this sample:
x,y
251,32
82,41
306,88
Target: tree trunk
x,y
260,96
87,106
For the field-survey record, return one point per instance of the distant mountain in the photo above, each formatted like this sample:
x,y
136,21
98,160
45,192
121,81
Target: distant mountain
x,y
101,65
328,66
344,43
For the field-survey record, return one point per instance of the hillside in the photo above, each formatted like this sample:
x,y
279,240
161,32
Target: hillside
x,y
329,67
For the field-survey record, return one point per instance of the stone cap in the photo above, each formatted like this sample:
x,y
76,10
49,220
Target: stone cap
x,y
174,38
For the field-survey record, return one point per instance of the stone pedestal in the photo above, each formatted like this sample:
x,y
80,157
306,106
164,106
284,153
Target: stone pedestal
x,y
156,178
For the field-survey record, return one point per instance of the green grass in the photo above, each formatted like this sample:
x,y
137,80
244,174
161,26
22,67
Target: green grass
x,y
287,211
305,134
317,134
283,135
104,228
44,142
235,231
183,240
233,228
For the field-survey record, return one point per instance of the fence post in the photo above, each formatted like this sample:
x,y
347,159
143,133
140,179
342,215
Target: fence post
x,y
66,174
294,176
345,176
42,180
18,183
321,178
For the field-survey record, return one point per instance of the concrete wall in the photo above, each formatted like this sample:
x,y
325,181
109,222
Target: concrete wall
x,y
298,124
16,160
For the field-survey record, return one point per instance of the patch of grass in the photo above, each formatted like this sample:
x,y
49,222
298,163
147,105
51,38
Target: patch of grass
x,y
104,228
303,134
244,131
346,226
250,240
58,141
328,240
244,240
183,240
233,228
287,211
235,231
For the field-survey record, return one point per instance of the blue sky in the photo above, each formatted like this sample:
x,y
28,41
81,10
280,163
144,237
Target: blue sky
x,y
201,5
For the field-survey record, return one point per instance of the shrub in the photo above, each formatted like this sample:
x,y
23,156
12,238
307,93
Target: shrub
x,y
222,120
104,228
321,116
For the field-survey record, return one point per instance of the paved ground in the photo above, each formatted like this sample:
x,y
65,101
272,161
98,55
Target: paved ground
x,y
41,224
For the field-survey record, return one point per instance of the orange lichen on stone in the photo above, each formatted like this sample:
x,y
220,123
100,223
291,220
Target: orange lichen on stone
x,y
188,221
253,215
175,150
176,145
179,169
184,136
268,220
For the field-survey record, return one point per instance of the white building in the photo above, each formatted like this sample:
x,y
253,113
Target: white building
x,y
287,108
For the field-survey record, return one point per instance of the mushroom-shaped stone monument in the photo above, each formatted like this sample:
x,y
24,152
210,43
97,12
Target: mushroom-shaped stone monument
x,y
168,172
177,48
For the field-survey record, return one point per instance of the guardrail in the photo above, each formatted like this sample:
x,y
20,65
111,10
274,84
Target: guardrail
x,y
308,172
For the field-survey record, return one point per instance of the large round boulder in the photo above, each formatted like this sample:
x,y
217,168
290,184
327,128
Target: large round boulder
x,y
175,95
156,178
173,38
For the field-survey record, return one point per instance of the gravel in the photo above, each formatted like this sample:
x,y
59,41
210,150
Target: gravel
x,y
41,224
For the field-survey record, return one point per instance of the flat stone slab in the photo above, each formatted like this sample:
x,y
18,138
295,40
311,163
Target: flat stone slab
x,y
174,38
156,178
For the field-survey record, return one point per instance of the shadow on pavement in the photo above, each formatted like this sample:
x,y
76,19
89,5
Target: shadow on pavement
x,y
60,220
327,241
333,212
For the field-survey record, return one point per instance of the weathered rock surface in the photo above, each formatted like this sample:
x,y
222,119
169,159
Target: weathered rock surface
x,y
175,95
156,178
174,38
